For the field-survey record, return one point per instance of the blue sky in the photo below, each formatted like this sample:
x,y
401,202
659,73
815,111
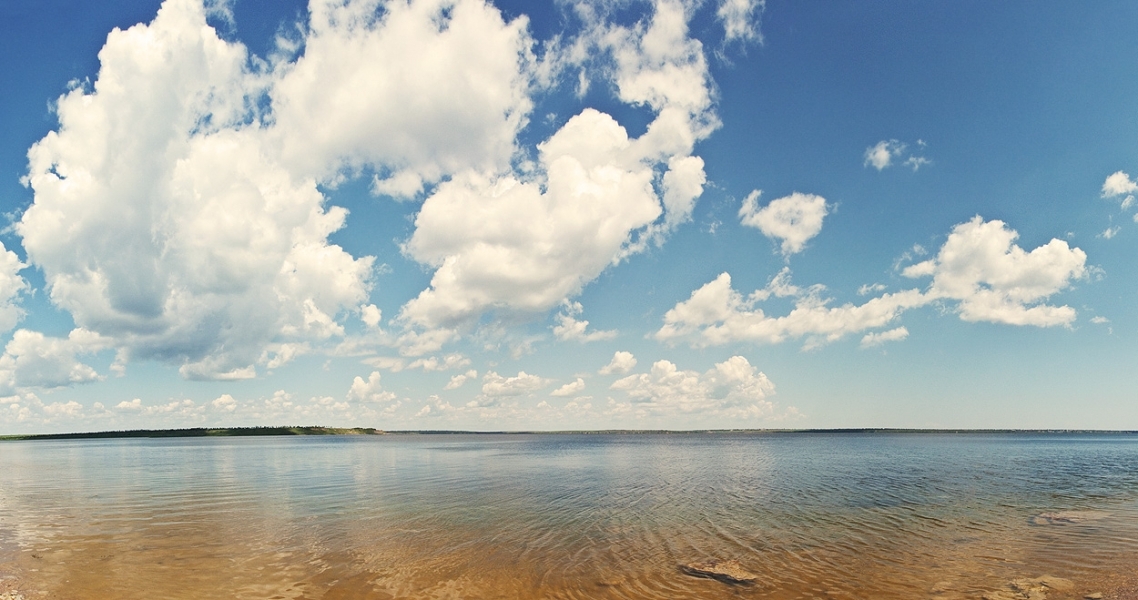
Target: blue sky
x,y
457,214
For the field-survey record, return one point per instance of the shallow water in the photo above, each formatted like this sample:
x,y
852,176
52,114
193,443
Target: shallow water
x,y
569,516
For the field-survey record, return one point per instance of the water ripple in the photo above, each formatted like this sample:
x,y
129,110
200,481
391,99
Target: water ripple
x,y
450,516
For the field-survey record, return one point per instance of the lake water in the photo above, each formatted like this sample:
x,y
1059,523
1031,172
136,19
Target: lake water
x,y
571,516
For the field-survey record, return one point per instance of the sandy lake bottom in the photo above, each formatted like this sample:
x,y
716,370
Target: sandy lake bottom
x,y
995,516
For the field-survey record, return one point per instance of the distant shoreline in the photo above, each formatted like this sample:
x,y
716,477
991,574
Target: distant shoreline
x,y
197,432
313,430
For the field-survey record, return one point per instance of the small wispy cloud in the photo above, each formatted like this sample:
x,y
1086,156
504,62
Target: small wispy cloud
x,y
886,153
916,162
867,289
1117,184
871,340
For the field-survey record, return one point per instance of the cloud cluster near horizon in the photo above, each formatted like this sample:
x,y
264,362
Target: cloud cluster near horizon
x,y
184,211
178,209
979,271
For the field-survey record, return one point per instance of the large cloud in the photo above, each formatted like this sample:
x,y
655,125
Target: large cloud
x,y
507,243
522,243
416,90
33,360
177,211
979,268
717,314
162,219
995,280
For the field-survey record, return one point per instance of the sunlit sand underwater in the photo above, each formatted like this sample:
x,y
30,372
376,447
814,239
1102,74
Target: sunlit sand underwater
x,y
859,515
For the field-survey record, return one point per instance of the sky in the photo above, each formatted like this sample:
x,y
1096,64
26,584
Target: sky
x,y
578,214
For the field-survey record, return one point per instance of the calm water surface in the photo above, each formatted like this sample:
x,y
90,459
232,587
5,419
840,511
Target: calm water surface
x,y
568,516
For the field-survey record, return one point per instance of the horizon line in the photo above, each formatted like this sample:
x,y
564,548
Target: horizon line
x,y
325,430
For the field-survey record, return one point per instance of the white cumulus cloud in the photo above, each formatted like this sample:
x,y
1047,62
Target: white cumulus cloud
x,y
224,402
871,340
881,154
1117,184
370,390
177,210
568,328
135,404
569,389
740,19
33,360
417,90
792,220
995,280
621,363
11,286
979,269
459,380
481,233
717,314
519,243
163,218
495,385
371,315
733,387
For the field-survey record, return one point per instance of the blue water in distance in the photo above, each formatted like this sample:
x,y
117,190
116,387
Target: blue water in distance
x,y
858,515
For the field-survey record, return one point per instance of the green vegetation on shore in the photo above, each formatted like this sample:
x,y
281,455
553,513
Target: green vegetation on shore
x,y
198,432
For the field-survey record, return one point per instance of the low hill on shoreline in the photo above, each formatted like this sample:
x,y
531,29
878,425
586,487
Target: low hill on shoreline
x,y
198,432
